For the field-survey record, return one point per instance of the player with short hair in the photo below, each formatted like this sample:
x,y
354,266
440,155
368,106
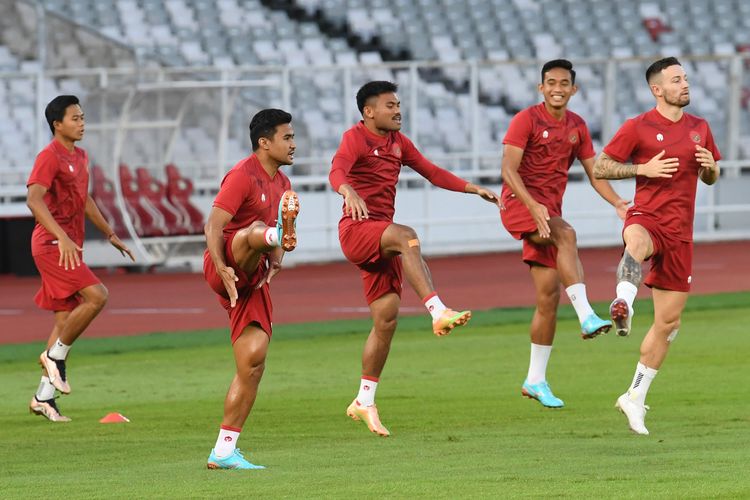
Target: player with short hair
x,y
58,197
365,171
670,151
250,226
540,145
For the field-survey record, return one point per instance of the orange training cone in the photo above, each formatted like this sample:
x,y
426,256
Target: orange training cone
x,y
113,418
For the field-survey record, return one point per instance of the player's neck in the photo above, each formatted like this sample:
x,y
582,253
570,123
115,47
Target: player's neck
x,y
556,113
671,113
370,125
68,144
269,165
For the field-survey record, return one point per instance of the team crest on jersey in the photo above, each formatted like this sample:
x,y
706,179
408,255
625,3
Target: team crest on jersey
x,y
263,197
695,136
70,167
659,137
545,134
376,152
573,138
396,150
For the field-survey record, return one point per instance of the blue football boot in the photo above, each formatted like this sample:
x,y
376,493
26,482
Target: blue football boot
x,y
593,326
234,461
542,393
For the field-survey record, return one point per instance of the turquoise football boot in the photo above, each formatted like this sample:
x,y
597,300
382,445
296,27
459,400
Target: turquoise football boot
x,y
234,461
542,393
593,326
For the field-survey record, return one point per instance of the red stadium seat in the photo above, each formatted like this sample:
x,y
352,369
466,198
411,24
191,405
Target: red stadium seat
x,y
179,190
150,220
103,194
655,27
156,194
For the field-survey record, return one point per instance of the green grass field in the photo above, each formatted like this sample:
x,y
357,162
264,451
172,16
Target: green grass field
x,y
460,428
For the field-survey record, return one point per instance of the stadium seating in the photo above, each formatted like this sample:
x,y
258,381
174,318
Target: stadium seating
x,y
148,220
179,190
103,194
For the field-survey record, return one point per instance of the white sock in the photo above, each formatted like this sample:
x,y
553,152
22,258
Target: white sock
x,y
538,363
626,290
577,294
271,235
227,441
434,305
46,390
58,350
641,382
367,388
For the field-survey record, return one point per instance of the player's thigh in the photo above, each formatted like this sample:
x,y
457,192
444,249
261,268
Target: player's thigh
x,y
247,246
668,307
94,294
638,240
396,239
251,347
547,285
384,311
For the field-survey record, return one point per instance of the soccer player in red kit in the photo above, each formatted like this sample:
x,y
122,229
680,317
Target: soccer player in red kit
x,y
58,197
541,143
365,171
250,226
670,151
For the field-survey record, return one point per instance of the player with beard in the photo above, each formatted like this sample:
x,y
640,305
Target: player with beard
x,y
250,226
365,171
670,150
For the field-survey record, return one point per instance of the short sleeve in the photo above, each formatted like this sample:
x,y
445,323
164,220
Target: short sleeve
x,y
235,189
711,145
624,143
519,130
45,169
586,149
346,156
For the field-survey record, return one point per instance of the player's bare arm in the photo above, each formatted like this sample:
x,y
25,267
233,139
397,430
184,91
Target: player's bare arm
x,y
512,156
605,190
354,205
275,257
68,249
658,166
96,217
709,172
484,193
214,231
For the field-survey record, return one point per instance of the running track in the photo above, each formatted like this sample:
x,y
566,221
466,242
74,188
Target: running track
x,y
142,303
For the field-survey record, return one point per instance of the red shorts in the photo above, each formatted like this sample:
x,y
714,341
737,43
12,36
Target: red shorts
x,y
519,223
253,306
672,260
360,242
60,287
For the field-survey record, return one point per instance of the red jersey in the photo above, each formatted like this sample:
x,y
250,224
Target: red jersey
x,y
669,201
549,148
371,163
65,174
250,194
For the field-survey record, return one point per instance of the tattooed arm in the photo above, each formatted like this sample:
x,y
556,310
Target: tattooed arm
x,y
607,168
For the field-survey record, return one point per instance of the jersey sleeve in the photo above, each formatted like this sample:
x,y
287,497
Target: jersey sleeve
x,y
711,145
624,143
437,176
45,169
234,190
346,156
586,149
519,130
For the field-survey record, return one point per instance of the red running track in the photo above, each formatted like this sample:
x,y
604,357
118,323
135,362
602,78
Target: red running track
x,y
143,303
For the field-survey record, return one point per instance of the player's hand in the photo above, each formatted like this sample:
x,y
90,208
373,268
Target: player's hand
x,y
621,207
659,166
355,206
118,244
69,253
273,269
705,158
229,279
489,195
541,217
